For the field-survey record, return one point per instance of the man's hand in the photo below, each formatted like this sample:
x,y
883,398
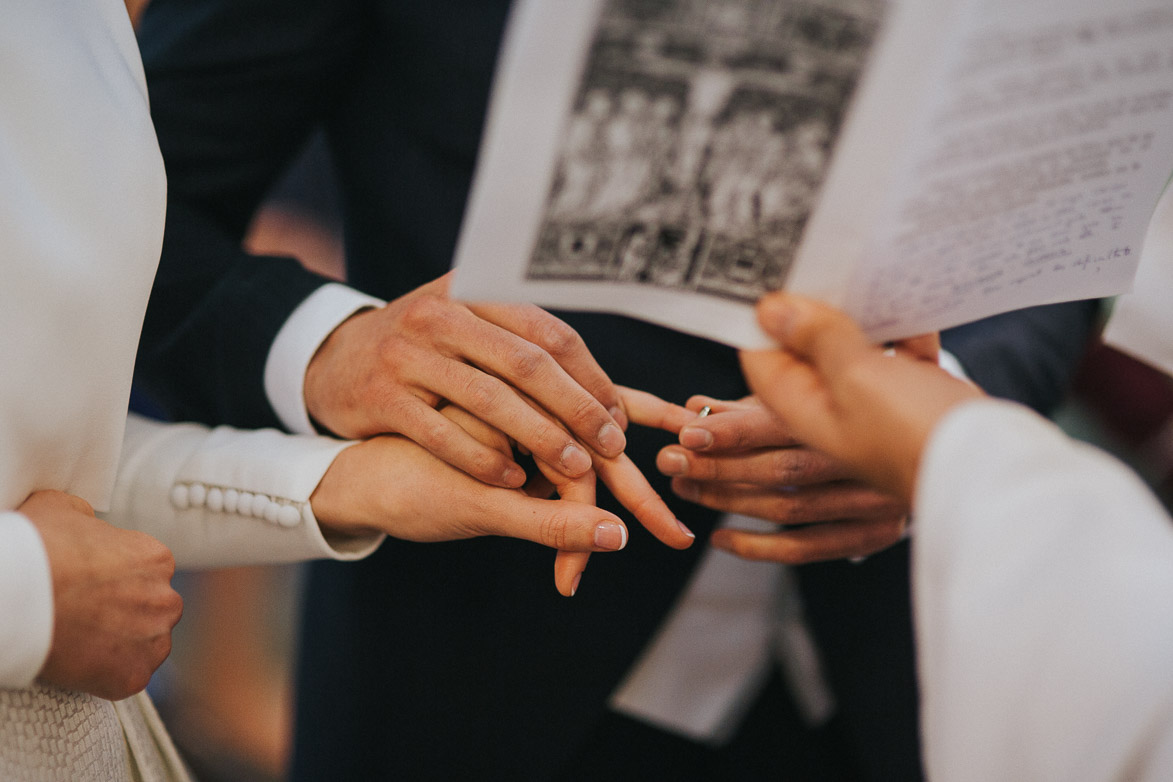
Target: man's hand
x,y
870,409
389,484
740,458
113,604
387,370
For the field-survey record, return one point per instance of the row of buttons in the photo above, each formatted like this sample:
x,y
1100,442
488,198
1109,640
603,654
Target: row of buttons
x,y
228,500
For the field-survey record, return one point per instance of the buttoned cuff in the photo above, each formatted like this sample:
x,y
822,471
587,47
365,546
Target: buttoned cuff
x,y
296,343
26,602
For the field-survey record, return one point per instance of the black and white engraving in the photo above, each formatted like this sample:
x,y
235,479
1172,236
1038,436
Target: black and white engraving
x,y
698,139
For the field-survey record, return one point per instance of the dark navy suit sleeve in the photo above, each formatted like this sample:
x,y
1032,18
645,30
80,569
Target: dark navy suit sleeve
x,y
234,98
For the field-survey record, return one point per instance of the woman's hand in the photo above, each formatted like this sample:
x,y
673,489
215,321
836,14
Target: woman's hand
x,y
113,605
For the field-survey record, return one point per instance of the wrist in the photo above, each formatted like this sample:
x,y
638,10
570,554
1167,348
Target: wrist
x,y
320,397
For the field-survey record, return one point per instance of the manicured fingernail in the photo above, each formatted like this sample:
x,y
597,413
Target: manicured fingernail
x,y
574,586
575,460
611,440
514,476
695,439
610,536
619,416
685,529
672,463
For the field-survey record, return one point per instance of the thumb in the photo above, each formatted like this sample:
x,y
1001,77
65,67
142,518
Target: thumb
x,y
811,331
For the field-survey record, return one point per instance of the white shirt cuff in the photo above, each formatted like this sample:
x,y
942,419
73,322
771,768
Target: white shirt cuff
x,y
26,602
948,362
296,343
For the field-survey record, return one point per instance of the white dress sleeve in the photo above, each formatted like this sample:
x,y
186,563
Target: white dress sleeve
x,y
26,602
1043,590
224,496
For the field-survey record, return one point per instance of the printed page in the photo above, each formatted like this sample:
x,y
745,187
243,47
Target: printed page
x,y
659,158
672,159
1035,170
1142,321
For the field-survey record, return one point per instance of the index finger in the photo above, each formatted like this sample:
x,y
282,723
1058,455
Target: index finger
x,y
644,409
735,430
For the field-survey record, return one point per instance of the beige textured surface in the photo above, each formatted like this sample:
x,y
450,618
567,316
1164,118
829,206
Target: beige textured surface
x,y
49,735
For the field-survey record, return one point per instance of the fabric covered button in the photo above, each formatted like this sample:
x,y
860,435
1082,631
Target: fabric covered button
x,y
259,504
215,501
179,496
244,504
197,494
231,500
272,510
289,516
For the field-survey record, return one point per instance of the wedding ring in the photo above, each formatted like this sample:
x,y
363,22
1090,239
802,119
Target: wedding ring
x,y
704,411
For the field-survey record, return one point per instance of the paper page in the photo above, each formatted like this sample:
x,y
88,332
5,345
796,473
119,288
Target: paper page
x,y
1033,175
659,158
1142,321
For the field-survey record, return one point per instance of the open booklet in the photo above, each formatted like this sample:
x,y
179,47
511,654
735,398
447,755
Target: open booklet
x,y
919,163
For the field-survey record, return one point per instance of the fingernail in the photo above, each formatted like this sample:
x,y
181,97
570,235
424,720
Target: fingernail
x,y
695,439
619,416
514,476
575,460
574,586
672,463
776,314
685,529
611,439
610,536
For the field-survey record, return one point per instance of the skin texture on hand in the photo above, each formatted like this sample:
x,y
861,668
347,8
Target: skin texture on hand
x,y
834,390
113,604
390,484
741,458
387,370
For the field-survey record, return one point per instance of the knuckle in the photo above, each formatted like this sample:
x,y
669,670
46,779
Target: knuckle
x,y
420,312
136,680
485,463
527,360
162,649
738,437
583,408
647,504
555,529
174,608
699,468
557,337
483,393
790,466
435,436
